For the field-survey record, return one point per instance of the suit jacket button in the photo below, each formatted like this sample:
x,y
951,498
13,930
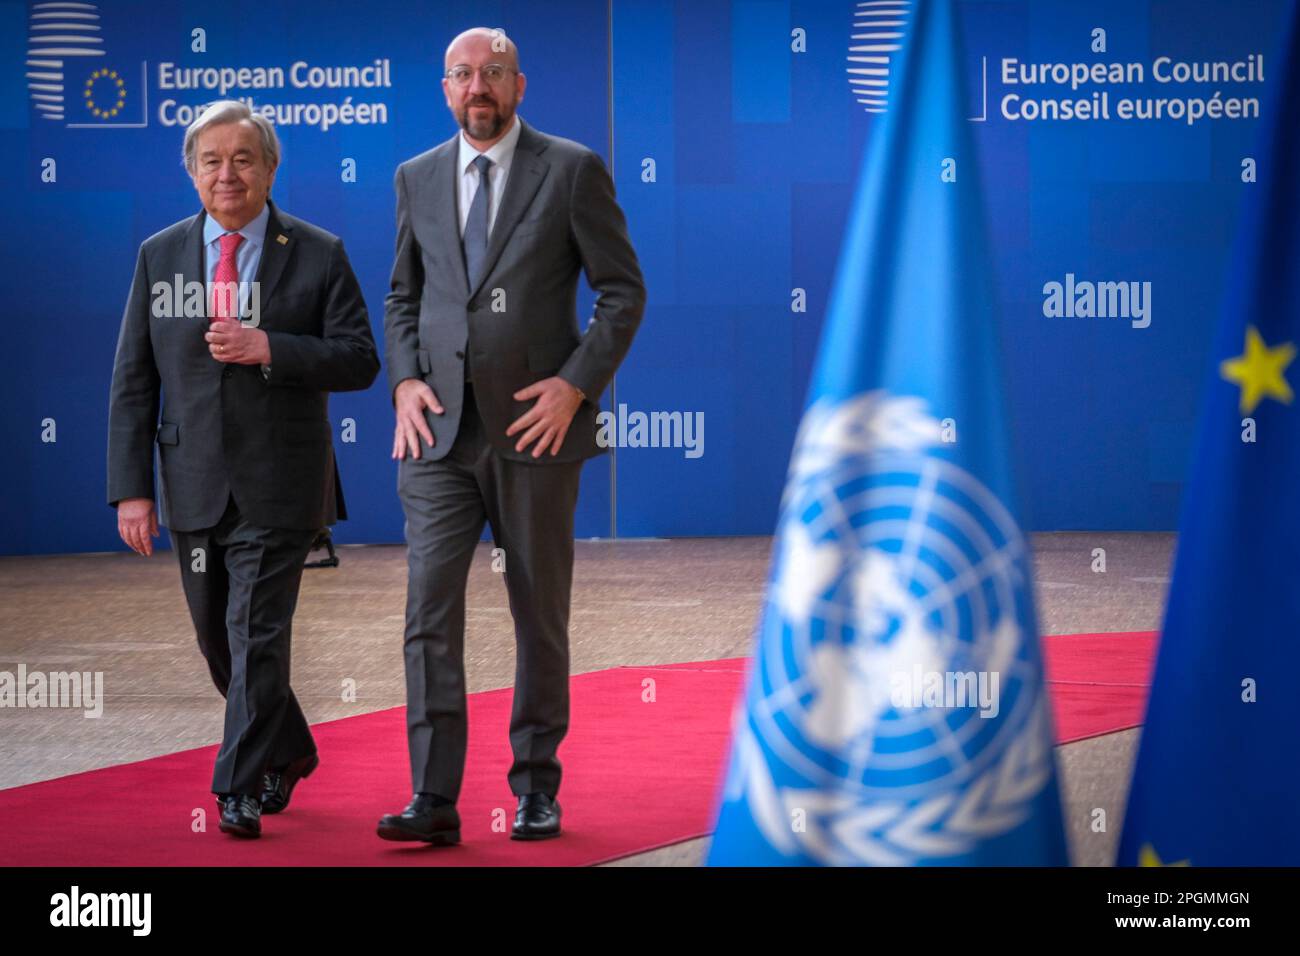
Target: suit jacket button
x,y
227,372
460,355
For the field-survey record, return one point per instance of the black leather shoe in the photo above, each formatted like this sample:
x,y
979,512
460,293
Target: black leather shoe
x,y
424,819
277,785
538,818
241,815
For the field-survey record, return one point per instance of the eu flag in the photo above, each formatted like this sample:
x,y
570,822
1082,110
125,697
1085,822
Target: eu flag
x,y
895,711
1217,778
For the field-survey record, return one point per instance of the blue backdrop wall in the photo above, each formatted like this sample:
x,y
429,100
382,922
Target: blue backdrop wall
x,y
734,135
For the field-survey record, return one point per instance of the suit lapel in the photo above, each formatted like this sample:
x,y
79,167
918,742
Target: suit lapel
x,y
192,265
277,246
446,210
527,170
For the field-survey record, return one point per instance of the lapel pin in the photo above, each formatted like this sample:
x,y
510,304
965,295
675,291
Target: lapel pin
x,y
282,239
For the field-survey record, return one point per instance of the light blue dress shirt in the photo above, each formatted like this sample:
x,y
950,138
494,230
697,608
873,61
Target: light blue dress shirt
x,y
247,257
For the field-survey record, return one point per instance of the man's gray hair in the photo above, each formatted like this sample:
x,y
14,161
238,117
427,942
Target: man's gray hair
x,y
231,111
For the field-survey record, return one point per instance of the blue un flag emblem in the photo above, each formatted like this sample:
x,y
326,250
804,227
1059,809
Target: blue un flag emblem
x,y
895,709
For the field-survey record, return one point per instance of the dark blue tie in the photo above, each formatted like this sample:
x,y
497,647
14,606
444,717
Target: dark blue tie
x,y
475,239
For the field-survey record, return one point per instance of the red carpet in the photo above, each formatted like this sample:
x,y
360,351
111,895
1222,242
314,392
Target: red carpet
x,y
1098,682
638,775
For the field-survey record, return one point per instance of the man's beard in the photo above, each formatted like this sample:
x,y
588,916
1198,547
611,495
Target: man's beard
x,y
489,128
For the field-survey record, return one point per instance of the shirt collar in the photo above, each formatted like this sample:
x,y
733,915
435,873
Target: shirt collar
x,y
501,152
254,231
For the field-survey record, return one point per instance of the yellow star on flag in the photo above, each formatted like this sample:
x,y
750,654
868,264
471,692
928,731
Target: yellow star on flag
x,y
1147,856
1259,372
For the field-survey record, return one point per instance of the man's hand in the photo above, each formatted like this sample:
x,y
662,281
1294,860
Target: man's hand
x,y
547,422
136,523
410,400
239,344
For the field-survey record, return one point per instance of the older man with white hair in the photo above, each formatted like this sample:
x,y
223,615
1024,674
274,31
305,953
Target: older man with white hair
x,y
233,387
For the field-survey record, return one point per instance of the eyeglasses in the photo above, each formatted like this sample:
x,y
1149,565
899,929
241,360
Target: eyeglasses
x,y
493,73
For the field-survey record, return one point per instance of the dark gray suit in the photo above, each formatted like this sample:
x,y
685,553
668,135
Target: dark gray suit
x,y
247,470
558,217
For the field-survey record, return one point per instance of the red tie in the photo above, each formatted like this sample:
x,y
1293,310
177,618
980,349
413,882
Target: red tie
x,y
225,298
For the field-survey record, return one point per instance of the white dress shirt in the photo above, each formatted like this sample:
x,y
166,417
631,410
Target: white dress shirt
x,y
502,154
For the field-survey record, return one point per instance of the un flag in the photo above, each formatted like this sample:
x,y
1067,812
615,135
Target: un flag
x,y
1217,779
895,711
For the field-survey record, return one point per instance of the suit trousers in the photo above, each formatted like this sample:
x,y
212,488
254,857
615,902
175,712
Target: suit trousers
x,y
530,508
241,599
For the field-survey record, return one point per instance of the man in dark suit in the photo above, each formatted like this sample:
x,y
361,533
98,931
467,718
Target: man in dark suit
x,y
247,468
496,394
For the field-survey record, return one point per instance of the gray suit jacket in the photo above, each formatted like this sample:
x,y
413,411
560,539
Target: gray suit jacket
x,y
226,428
558,215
